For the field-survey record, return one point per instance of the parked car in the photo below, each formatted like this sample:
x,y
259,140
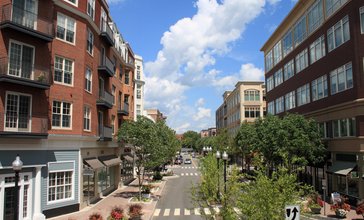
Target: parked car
x,y
188,161
178,161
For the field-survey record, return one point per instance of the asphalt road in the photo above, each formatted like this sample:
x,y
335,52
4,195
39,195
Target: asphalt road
x,y
176,202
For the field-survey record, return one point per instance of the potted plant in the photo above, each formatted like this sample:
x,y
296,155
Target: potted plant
x,y
95,216
340,207
315,203
135,212
360,208
117,213
146,191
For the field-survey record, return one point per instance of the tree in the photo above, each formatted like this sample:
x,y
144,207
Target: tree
x,y
190,139
244,142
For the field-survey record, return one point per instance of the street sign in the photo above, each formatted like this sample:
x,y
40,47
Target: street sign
x,y
292,212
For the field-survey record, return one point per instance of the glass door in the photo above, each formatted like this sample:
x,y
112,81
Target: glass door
x,y
9,203
25,13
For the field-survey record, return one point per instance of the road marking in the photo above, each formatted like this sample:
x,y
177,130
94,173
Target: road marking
x,y
216,209
186,174
207,211
156,212
197,211
196,174
177,212
187,212
166,212
182,174
191,174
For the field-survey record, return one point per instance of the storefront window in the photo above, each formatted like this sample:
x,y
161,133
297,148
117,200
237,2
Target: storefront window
x,y
104,178
341,184
88,187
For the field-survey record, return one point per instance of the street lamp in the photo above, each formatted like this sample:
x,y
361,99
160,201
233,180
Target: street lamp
x,y
17,166
204,149
225,158
209,149
218,156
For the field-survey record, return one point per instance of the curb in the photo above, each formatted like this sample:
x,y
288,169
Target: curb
x,y
156,202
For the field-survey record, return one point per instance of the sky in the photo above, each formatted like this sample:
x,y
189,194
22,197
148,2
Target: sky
x,y
194,50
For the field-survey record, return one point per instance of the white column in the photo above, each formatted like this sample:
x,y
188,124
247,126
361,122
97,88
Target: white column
x,y
38,215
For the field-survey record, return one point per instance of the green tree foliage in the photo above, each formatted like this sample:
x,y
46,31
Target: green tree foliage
x,y
244,142
190,139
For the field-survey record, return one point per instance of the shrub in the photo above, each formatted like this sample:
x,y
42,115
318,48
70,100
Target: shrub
x,y
157,176
117,213
95,216
135,210
146,189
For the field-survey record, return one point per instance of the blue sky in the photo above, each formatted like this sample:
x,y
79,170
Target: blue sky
x,y
194,50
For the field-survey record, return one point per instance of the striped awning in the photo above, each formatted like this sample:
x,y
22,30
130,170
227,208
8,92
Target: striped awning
x,y
110,160
94,163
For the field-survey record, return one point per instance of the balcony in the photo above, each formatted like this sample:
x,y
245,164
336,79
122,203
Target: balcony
x,y
26,22
15,125
106,66
107,34
24,73
123,109
105,133
105,99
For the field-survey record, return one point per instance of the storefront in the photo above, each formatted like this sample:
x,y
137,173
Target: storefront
x,y
127,169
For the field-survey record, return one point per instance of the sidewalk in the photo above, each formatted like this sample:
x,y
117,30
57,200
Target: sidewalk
x,y
331,214
120,198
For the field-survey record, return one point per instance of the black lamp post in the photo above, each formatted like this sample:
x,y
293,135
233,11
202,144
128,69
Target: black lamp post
x,y
225,158
204,150
218,156
17,166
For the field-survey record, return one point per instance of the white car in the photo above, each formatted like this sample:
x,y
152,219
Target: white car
x,y
188,161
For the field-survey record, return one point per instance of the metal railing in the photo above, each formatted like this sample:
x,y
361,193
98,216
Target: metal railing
x,y
124,107
24,70
23,123
27,19
105,28
106,62
105,132
106,97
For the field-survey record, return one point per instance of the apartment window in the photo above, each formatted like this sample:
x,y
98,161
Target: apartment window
x,y
290,100
88,80
333,5
73,2
323,129
87,118
287,43
270,83
61,114
317,49
91,8
63,71
362,19
301,61
113,92
251,95
277,52
138,109
338,34
344,127
319,88
271,108
90,41
252,112
66,28
288,70
113,124
278,77
279,105
126,99
268,61
126,77
18,112
138,74
139,91
60,185
299,31
315,16
21,59
120,72
341,79
303,95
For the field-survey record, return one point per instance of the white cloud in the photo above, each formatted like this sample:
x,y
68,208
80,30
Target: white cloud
x,y
200,102
188,55
110,2
249,72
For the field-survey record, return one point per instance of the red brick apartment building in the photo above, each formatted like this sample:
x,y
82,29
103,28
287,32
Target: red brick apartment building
x,y
66,85
314,66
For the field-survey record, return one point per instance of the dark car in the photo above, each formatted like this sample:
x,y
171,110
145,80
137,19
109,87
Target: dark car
x,y
178,161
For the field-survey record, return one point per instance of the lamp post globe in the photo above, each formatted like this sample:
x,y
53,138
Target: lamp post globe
x,y
17,165
218,155
210,149
204,149
225,156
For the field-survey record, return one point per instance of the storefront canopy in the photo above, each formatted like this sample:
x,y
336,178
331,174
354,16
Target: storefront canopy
x,y
341,168
94,163
110,160
128,158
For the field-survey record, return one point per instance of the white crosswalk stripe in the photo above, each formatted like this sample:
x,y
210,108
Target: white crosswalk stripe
x,y
187,212
177,212
191,174
196,174
166,212
217,210
197,211
207,211
186,174
156,212
182,174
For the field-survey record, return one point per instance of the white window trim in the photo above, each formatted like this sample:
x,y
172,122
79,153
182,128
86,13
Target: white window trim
x,y
63,64
334,72
93,7
90,118
73,182
113,117
93,42
332,30
90,81
33,61
74,4
75,30
71,113
30,110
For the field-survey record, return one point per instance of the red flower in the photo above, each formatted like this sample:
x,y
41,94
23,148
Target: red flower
x,y
360,208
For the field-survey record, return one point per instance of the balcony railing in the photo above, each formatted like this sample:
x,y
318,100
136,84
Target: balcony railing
x,y
107,33
105,99
107,66
14,124
123,109
27,22
24,73
105,133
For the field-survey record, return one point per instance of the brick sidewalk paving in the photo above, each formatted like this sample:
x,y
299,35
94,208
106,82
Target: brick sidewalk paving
x,y
119,198
331,214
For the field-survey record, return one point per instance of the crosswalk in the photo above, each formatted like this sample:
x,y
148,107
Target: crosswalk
x,y
189,167
185,212
189,174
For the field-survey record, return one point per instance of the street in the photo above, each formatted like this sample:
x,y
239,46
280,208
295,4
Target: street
x,y
176,202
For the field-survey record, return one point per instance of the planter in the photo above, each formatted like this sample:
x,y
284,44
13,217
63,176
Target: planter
x,y
146,195
316,210
135,218
341,213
